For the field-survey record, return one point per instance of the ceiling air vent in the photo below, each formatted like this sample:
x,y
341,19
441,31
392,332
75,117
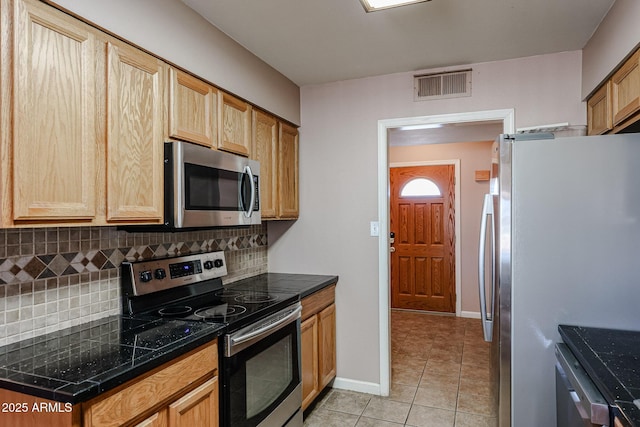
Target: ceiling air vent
x,y
453,84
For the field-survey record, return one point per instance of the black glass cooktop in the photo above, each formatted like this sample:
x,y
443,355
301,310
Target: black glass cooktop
x,y
234,307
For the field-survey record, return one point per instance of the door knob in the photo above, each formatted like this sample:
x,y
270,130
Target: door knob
x,y
392,249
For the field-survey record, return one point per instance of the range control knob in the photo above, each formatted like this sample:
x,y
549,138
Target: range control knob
x,y
218,263
208,265
146,276
159,273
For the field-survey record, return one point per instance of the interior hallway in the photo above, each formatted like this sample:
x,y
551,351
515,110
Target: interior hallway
x,y
440,378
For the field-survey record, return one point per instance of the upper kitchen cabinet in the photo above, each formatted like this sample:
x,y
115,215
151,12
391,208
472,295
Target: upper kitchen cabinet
x,y
288,200
275,146
615,106
192,109
52,142
234,125
82,123
626,89
265,150
135,99
599,111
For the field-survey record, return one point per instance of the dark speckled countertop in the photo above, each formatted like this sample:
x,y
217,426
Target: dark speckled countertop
x,y
302,284
79,363
612,360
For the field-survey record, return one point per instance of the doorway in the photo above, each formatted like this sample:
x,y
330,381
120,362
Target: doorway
x,y
422,223
384,126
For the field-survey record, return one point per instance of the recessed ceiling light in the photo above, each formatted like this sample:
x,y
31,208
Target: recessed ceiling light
x,y
373,5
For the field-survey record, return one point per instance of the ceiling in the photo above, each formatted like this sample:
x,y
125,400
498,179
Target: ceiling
x,y
333,40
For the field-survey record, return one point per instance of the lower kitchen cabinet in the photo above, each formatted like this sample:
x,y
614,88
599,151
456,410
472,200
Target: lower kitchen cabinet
x,y
327,345
318,343
180,393
165,396
197,408
309,358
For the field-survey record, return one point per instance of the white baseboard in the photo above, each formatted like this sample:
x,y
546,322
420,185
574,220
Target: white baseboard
x,y
355,385
470,314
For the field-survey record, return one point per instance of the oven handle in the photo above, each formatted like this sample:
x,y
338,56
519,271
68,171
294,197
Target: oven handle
x,y
271,324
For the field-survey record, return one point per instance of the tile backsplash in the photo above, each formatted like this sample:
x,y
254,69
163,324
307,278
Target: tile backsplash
x,y
52,278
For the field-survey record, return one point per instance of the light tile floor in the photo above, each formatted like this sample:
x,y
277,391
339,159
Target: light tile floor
x,y
440,378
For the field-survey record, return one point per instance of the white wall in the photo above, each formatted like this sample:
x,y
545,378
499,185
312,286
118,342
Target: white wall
x,y
617,35
171,30
473,156
338,178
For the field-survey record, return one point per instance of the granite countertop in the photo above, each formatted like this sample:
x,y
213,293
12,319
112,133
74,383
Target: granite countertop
x,y
302,284
79,363
612,360
76,364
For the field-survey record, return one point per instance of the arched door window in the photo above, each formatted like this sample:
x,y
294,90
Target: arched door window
x,y
420,187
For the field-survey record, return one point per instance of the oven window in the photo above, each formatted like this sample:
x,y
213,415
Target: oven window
x,y
260,378
268,375
211,189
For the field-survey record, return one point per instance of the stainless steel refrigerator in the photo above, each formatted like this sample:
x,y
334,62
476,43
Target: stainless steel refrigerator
x,y
560,244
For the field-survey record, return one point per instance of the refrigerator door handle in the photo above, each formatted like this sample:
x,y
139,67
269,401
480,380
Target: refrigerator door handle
x,y
486,316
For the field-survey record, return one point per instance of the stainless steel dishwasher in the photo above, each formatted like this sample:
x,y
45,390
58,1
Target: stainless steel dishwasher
x,y
578,401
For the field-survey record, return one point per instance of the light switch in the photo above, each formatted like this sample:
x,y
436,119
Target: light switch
x,y
374,228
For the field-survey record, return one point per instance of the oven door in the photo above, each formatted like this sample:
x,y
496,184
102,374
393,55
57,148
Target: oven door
x,y
578,401
261,373
211,188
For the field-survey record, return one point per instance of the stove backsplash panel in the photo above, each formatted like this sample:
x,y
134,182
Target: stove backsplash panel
x,y
53,278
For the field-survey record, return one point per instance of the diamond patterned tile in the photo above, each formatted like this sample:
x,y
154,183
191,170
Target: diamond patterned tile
x,y
17,269
34,267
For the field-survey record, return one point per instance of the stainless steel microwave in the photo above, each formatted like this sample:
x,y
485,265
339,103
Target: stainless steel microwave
x,y
209,188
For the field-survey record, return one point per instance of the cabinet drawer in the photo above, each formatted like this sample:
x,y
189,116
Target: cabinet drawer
x,y
139,396
317,301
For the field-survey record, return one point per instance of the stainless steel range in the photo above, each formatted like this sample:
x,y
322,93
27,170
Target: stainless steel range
x,y
260,367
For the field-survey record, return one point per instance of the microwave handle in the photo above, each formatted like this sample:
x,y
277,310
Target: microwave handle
x,y
249,212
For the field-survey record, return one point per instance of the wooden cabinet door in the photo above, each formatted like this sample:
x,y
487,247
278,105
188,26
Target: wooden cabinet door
x,y
327,345
134,135
626,89
265,150
599,109
192,109
309,359
54,109
158,419
234,125
197,408
288,206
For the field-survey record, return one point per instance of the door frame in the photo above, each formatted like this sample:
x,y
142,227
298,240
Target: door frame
x,y
456,207
507,116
